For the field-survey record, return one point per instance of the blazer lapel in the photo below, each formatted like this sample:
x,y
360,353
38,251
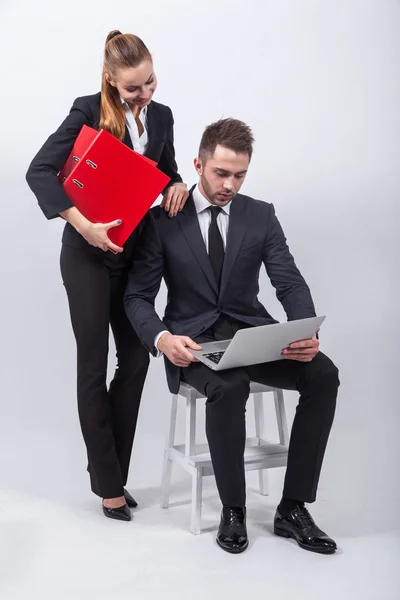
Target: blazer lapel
x,y
236,231
152,127
189,224
127,138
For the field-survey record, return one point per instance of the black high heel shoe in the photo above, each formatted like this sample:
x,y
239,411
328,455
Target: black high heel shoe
x,y
122,513
131,502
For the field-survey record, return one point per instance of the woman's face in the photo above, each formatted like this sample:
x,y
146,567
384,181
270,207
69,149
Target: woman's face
x,y
136,85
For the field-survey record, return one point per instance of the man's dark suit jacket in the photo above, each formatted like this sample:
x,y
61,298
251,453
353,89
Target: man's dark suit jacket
x,y
174,249
44,168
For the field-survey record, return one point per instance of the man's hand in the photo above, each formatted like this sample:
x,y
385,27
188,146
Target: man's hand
x,y
175,349
303,351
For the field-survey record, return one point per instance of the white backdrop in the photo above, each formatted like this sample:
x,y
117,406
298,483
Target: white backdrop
x,y
318,81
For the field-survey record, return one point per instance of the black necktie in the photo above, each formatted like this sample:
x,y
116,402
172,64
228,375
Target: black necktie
x,y
215,244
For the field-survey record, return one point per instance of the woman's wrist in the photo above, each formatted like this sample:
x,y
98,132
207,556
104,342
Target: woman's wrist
x,y
180,184
76,219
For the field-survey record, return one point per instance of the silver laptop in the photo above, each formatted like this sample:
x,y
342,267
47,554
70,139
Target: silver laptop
x,y
256,345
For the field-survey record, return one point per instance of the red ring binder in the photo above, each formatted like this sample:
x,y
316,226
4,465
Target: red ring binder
x,y
106,180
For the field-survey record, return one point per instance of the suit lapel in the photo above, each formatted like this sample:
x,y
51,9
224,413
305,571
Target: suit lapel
x,y
236,231
189,224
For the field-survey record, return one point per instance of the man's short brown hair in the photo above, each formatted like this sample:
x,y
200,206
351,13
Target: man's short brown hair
x,y
229,133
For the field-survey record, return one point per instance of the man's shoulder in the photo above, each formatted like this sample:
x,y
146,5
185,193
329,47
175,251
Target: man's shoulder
x,y
254,205
158,214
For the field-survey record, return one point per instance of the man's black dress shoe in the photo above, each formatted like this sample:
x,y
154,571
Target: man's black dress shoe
x,y
232,532
121,513
299,525
131,502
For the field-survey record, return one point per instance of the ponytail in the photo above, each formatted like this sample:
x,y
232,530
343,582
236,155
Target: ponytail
x,y
121,51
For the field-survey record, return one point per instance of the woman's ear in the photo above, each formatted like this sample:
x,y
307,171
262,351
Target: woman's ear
x,y
110,81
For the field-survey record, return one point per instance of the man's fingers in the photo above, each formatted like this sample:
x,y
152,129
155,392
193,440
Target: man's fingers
x,y
190,343
182,363
181,353
185,355
304,344
300,351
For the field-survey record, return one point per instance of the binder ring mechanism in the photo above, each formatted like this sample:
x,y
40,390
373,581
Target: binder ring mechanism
x,y
88,162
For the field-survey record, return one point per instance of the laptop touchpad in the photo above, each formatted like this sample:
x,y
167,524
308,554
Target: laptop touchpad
x,y
222,345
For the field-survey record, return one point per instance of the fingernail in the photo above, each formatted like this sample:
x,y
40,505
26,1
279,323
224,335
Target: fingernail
x,y
119,221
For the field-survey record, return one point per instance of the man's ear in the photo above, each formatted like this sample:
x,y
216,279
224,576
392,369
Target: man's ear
x,y
198,165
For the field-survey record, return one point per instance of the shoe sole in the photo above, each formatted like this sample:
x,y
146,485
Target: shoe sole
x,y
233,550
285,534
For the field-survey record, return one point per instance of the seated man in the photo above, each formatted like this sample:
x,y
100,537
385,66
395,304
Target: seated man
x,y
210,257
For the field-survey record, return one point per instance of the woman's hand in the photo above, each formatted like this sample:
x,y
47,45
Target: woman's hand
x,y
96,235
175,198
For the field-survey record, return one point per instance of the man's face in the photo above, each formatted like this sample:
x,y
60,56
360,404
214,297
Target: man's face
x,y
222,175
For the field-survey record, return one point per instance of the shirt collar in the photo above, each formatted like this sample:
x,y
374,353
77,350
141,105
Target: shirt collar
x,y
127,107
201,203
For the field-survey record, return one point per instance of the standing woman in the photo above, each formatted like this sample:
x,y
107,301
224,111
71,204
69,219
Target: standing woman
x,y
94,277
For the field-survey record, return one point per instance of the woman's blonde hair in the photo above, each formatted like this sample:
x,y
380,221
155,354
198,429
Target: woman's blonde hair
x,y
122,50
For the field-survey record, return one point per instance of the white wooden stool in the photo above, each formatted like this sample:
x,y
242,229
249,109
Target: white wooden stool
x,y
195,458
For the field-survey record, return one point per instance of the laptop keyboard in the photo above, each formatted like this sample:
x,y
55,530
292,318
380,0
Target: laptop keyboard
x,y
215,356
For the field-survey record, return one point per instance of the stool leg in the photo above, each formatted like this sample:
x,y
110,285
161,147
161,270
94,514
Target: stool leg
x,y
259,419
190,441
167,464
281,417
197,488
